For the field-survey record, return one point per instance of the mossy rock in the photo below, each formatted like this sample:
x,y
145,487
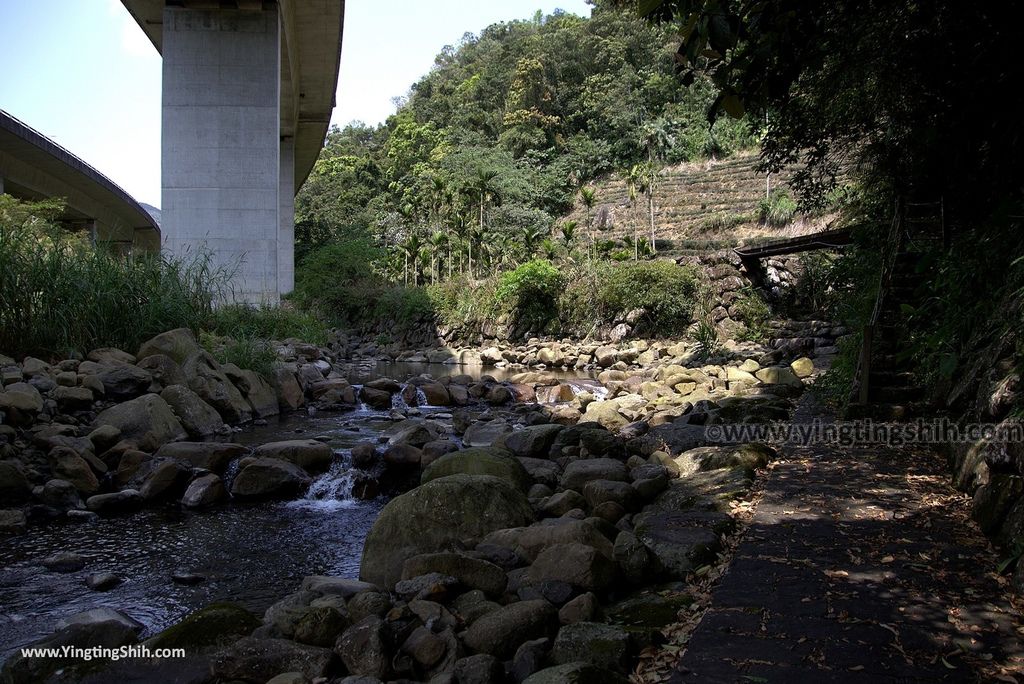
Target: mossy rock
x,y
206,629
491,461
648,612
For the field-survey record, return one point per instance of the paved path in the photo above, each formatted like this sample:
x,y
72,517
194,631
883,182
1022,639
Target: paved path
x,y
858,566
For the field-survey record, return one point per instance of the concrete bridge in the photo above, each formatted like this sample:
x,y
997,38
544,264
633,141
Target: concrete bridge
x,y
248,91
33,167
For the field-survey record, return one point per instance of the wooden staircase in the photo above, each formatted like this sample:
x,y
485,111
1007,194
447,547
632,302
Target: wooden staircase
x,y
885,387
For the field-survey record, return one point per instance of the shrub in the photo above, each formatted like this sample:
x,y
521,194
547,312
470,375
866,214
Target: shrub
x,y
530,293
778,209
664,291
247,352
59,294
754,312
339,282
705,333
267,322
464,303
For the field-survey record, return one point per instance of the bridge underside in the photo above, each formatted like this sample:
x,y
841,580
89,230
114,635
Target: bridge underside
x,y
248,90
33,167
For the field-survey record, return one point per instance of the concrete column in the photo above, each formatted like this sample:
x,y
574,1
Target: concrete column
x,y
220,144
286,214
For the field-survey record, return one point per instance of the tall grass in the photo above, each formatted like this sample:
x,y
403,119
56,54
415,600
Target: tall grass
x,y
59,294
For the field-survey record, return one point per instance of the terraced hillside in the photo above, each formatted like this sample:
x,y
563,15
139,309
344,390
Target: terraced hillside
x,y
710,204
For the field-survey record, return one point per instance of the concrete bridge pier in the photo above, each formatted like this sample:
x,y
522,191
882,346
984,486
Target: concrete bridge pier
x,y
224,166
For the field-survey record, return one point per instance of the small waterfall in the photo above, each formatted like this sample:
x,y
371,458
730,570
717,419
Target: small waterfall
x,y
593,386
332,490
421,397
361,406
398,402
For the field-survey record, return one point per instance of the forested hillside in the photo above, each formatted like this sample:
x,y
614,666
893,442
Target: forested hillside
x,y
503,137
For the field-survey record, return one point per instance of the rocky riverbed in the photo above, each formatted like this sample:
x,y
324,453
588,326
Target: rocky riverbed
x,y
554,524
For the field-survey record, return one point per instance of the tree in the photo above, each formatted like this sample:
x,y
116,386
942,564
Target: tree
x,y
438,241
656,138
485,187
568,233
588,196
530,238
411,251
549,248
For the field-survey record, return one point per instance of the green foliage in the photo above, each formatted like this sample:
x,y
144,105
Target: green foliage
x,y
778,209
59,294
241,349
530,293
753,311
245,321
661,289
705,334
335,281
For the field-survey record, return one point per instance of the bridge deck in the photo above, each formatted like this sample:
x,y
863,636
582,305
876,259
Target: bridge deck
x,y
828,239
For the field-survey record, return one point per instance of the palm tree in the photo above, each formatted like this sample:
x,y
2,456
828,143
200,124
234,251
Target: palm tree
x,y
549,248
633,180
485,189
461,227
589,198
411,251
568,230
477,235
438,241
530,238
656,137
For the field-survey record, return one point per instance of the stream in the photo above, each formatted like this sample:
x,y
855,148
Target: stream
x,y
249,553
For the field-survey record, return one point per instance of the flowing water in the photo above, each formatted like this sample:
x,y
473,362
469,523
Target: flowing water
x,y
252,554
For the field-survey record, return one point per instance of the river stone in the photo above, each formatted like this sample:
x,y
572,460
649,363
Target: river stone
x,y
575,673
102,581
212,456
436,515
779,375
286,386
124,381
745,457
403,455
308,454
578,473
471,572
320,627
205,490
196,416
99,615
214,626
597,492
337,586
115,502
168,478
147,422
263,478
64,561
576,564
164,370
500,632
634,560
65,464
412,431
256,390
363,648
253,659
480,461
530,541
60,494
207,379
606,413
534,441
12,521
72,398
563,502
485,433
481,668
177,344
683,541
604,646
14,486
802,367
375,398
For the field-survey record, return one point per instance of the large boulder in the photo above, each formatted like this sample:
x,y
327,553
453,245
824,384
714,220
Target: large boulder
x,y
578,473
287,388
473,573
164,370
480,461
534,441
263,478
146,422
606,413
437,515
253,659
212,456
500,632
176,344
256,390
575,673
685,540
205,490
66,464
215,626
196,416
530,542
124,381
309,454
166,479
577,564
14,486
604,646
207,379
485,433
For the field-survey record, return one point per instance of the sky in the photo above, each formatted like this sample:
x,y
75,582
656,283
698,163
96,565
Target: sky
x,y
82,73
